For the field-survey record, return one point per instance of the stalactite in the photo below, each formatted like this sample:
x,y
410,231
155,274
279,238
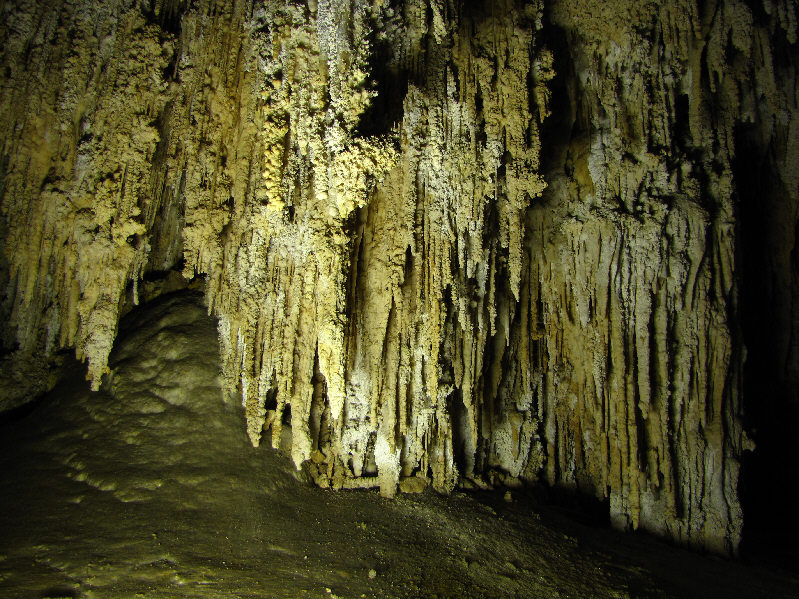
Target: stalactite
x,y
446,243
78,135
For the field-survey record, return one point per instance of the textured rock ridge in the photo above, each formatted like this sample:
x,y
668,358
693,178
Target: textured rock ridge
x,y
629,324
446,243
80,98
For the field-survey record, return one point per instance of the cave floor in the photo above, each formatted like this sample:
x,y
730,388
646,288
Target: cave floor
x,y
150,488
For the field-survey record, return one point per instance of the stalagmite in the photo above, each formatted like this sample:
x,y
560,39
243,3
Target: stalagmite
x,y
447,243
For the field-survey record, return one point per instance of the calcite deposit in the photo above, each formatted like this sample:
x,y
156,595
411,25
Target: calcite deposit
x,y
447,243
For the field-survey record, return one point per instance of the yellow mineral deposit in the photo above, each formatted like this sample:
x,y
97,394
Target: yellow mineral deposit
x,y
417,302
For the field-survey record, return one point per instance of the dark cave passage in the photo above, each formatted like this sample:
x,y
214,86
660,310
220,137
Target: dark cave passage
x,y
769,275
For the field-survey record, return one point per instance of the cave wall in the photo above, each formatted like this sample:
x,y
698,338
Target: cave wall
x,y
446,243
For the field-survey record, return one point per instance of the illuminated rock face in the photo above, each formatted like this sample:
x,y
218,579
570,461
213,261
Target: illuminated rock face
x,y
445,245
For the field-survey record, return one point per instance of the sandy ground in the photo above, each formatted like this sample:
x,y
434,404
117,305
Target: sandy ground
x,y
150,488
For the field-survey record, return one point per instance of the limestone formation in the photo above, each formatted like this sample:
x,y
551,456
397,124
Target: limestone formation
x,y
447,243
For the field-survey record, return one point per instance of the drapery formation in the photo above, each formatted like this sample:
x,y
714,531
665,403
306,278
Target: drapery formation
x,y
446,244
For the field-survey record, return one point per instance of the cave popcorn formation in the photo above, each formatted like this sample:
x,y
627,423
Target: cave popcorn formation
x,y
427,267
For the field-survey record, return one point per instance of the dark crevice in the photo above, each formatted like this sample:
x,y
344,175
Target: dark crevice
x,y
286,417
270,402
770,404
561,126
390,81
408,266
169,17
356,228
460,429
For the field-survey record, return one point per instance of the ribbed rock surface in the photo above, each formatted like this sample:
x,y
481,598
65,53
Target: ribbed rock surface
x,y
446,243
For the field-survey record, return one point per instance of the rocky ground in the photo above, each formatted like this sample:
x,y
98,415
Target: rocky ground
x,y
150,488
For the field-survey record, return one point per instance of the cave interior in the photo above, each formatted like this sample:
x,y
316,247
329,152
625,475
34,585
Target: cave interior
x,y
399,298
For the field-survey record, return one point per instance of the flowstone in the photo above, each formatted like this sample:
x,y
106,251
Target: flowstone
x,y
446,243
